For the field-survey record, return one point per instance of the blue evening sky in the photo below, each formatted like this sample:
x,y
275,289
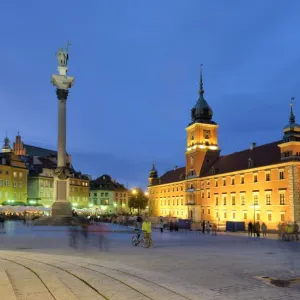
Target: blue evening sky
x,y
136,65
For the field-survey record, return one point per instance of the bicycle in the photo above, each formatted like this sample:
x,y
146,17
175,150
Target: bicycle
x,y
140,239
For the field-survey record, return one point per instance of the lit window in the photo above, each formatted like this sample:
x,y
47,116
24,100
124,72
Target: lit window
x,y
242,179
224,181
233,200
245,215
243,199
217,214
224,200
281,175
268,199
258,217
254,177
282,198
255,199
233,215
216,182
208,194
208,211
267,176
232,180
269,217
225,215
217,200
282,217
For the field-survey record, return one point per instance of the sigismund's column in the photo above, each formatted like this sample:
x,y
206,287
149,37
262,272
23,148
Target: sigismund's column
x,y
61,206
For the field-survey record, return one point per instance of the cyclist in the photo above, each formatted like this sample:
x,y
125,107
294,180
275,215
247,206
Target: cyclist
x,y
147,230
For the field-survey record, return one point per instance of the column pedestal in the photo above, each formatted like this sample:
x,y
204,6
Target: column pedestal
x,y
61,206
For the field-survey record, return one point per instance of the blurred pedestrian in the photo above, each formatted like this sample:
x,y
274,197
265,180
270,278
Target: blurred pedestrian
x,y
296,230
161,224
264,229
250,229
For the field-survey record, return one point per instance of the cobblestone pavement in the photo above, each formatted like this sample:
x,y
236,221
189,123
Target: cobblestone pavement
x,y
37,263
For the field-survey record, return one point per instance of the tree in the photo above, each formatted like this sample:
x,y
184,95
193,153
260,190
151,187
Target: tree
x,y
138,200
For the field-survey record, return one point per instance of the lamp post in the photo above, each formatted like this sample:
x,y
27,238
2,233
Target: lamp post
x,y
254,211
61,206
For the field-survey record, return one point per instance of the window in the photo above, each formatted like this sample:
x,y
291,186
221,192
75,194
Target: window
x,y
208,211
233,215
242,199
225,215
95,194
217,214
242,179
15,174
1,182
216,182
245,216
224,200
268,199
233,200
255,199
269,217
202,194
268,176
20,184
232,180
102,194
254,177
181,201
208,194
281,174
282,217
217,200
224,181
206,134
250,162
282,199
106,194
6,183
258,217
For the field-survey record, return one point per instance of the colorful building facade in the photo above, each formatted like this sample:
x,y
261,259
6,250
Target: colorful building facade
x,y
108,195
13,178
260,183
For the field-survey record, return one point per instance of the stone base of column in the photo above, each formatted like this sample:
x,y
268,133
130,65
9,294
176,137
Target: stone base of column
x,y
61,209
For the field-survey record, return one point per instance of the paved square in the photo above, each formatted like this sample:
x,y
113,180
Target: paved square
x,y
37,263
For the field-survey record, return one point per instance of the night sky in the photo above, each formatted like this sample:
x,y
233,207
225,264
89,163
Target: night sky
x,y
136,66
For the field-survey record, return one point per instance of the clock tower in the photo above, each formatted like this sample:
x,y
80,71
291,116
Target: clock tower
x,y
202,137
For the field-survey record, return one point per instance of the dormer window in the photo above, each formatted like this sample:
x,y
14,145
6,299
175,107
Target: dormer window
x,y
250,162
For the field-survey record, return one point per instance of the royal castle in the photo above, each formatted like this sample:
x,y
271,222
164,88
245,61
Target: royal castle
x,y
260,183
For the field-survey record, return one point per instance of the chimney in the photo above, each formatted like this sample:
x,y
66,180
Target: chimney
x,y
252,146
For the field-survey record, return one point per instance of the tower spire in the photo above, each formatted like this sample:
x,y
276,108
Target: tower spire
x,y
292,116
201,91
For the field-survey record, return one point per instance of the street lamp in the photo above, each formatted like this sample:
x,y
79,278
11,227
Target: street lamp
x,y
134,191
254,206
146,193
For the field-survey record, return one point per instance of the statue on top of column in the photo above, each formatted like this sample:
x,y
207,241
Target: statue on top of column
x,y
63,56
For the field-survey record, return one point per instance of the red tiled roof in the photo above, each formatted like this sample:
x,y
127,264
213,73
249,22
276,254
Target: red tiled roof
x,y
263,155
173,176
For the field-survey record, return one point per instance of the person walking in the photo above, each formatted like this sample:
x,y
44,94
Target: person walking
x,y
250,229
296,230
264,229
214,229
257,229
208,227
147,230
161,224
203,227
171,226
176,226
139,221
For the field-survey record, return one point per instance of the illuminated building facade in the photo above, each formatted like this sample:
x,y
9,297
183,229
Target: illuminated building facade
x,y
13,177
260,183
106,194
41,183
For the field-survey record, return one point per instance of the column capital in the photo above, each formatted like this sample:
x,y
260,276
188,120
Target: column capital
x,y
62,94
